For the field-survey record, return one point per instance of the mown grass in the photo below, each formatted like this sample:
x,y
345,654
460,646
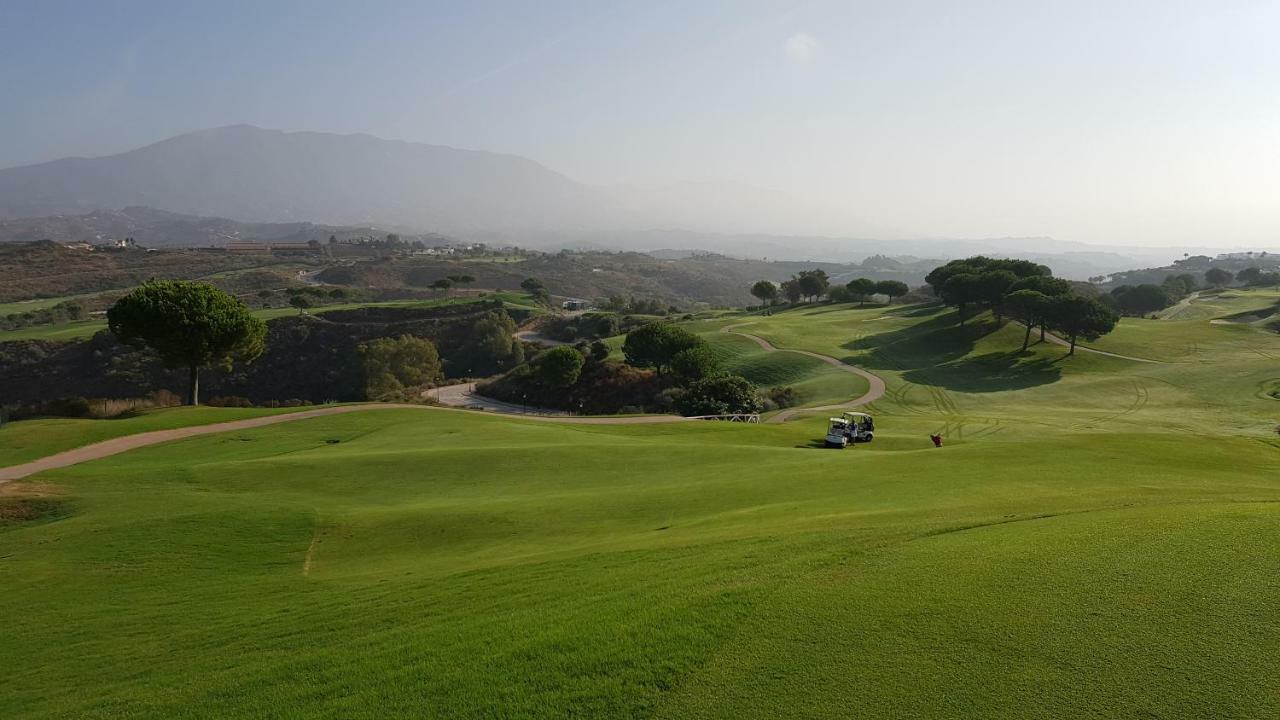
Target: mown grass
x,y
413,568
1095,539
28,440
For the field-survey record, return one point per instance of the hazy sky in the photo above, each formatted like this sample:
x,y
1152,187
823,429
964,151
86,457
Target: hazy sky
x,y
1116,121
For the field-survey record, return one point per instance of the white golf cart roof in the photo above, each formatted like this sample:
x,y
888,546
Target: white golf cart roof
x,y
856,414
837,421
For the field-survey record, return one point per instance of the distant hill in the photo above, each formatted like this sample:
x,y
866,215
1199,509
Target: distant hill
x,y
163,229
255,175
251,174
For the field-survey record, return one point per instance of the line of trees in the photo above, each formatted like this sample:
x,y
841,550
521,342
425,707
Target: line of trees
x,y
1025,291
813,284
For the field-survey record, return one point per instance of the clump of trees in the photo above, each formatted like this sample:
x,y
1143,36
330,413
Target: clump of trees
x,y
63,312
667,369
982,281
537,290
188,324
1255,277
656,345
394,367
1025,291
808,285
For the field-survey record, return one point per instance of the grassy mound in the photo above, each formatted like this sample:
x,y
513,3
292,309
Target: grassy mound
x,y
413,567
1095,539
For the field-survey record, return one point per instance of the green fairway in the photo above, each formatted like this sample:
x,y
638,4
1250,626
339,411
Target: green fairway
x,y
1096,538
27,440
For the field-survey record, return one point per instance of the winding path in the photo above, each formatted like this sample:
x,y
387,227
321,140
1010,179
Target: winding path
x,y
874,392
115,446
457,396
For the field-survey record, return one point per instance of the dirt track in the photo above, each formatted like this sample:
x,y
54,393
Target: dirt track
x,y
873,393
460,395
115,446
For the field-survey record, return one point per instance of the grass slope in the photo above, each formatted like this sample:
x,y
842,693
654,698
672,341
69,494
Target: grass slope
x,y
414,569
1095,539
28,440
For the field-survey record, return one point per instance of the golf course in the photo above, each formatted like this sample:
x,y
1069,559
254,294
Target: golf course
x,y
1096,537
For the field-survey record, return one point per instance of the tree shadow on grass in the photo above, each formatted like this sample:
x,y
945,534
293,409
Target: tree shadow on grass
x,y
938,352
992,372
925,344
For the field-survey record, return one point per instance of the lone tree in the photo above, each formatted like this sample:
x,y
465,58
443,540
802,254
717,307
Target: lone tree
x,y
559,367
1080,317
765,291
188,324
861,288
892,289
536,290
791,290
1217,277
657,344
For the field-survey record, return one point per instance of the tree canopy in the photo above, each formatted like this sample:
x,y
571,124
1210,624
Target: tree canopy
x,y
1141,299
980,279
695,363
892,289
813,283
861,289
720,395
656,345
559,367
1076,317
765,291
391,365
1217,277
188,324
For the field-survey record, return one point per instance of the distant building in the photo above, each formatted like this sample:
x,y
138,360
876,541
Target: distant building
x,y
573,304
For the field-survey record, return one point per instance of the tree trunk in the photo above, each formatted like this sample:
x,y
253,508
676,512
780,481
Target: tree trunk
x,y
1026,339
1041,332
1072,351
193,387
960,308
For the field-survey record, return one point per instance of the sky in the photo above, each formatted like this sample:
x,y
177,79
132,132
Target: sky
x,y
1124,122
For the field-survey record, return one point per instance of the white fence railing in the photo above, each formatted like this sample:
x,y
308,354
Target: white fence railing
x,y
753,418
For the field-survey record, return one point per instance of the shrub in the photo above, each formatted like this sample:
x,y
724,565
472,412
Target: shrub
x,y
724,395
777,398
234,401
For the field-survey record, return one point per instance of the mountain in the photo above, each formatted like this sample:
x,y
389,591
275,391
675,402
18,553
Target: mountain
x,y
251,174
160,228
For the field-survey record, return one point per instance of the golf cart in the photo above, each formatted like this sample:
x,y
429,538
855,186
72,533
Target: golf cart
x,y
837,432
862,428
851,427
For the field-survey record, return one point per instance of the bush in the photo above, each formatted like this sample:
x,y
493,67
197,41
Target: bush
x,y
394,365
724,395
233,401
778,398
